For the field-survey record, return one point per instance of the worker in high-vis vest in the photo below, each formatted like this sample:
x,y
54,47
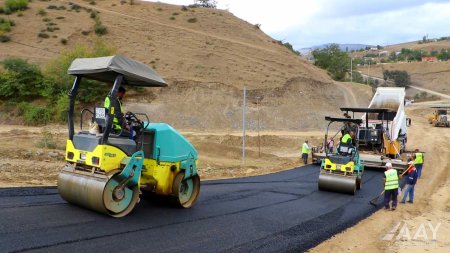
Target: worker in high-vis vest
x,y
391,184
418,162
305,152
348,138
117,110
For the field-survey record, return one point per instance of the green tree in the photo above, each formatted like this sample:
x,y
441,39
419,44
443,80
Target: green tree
x,y
357,77
20,80
443,55
400,78
331,58
206,3
57,80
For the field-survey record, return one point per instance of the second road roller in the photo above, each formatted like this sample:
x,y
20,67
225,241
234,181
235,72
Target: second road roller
x,y
122,154
342,171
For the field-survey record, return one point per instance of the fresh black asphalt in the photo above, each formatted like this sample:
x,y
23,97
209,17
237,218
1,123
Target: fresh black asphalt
x,y
281,212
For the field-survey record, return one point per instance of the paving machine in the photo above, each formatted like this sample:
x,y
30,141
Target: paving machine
x,y
440,116
342,171
376,144
106,171
383,133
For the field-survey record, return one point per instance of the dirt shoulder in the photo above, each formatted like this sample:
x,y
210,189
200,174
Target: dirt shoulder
x,y
431,206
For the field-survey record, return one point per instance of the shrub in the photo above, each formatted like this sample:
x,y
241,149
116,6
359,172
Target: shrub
x,y
15,5
46,20
175,14
401,78
57,81
75,7
92,2
192,20
60,17
43,35
42,12
22,108
100,29
5,26
52,7
172,18
184,8
20,80
93,15
63,41
47,140
85,33
4,38
61,107
37,115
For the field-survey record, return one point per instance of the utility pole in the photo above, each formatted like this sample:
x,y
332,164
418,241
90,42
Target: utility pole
x,y
259,126
243,125
351,70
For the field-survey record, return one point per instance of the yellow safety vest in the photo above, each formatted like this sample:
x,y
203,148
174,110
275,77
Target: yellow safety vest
x,y
305,149
391,179
116,122
419,158
346,138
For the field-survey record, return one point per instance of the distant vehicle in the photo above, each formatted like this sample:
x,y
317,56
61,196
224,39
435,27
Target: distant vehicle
x,y
440,117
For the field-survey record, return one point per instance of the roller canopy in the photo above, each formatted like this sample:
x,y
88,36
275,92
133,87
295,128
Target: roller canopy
x,y
368,110
106,69
356,121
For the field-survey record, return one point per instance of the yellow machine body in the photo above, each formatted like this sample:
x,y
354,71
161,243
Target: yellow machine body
x,y
344,168
156,177
391,147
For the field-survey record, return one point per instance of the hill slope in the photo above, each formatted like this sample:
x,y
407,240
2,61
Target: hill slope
x,y
206,55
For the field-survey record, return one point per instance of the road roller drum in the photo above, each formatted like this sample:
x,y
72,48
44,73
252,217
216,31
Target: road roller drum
x,y
337,183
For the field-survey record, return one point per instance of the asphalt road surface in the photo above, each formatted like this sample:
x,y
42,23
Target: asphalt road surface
x,y
281,212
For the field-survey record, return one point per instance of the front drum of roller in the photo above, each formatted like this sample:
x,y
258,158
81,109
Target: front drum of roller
x,y
337,183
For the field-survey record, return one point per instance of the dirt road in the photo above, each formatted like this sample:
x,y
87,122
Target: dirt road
x,y
443,96
386,231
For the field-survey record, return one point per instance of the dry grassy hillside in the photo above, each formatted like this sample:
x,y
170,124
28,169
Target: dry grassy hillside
x,y
430,75
206,55
430,46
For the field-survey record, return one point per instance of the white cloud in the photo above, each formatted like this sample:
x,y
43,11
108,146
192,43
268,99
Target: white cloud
x,y
307,23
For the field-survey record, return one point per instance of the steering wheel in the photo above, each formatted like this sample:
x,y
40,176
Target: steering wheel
x,y
133,121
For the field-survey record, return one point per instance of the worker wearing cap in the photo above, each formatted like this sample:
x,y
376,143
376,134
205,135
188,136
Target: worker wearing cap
x,y
391,183
418,162
411,181
115,107
305,152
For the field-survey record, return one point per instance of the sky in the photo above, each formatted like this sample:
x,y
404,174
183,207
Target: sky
x,y
317,22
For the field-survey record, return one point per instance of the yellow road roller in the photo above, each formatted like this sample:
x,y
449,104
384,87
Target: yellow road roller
x,y
342,170
111,164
